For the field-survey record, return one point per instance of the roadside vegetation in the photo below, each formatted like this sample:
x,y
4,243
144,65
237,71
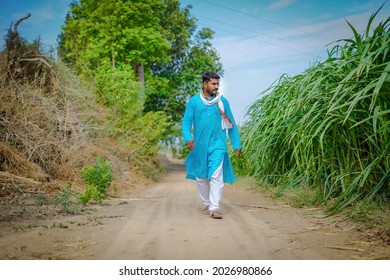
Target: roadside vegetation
x,y
89,122
322,138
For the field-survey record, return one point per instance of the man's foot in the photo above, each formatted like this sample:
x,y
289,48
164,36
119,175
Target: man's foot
x,y
205,210
215,215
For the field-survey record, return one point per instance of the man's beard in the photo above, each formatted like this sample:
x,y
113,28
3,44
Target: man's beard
x,y
211,92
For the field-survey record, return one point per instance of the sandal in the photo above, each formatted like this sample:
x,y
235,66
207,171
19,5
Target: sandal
x,y
215,215
205,210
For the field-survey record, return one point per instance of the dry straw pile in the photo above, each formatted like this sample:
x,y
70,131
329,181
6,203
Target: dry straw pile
x,y
42,137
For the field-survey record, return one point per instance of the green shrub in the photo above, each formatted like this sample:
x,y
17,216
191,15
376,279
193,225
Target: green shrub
x,y
119,90
98,178
98,175
139,132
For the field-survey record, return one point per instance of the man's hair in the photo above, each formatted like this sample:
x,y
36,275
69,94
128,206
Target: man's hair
x,y
210,75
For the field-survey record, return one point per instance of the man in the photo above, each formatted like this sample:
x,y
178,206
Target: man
x,y
208,112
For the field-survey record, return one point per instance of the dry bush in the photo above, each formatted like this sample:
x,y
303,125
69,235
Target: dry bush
x,y
30,121
56,132
41,135
50,124
11,161
25,62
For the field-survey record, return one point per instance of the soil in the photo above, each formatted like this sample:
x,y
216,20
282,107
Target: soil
x,y
164,221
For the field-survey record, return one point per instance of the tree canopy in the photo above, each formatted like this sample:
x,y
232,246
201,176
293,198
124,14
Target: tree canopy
x,y
115,31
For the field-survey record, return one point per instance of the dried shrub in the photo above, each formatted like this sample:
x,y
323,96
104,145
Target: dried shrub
x,y
25,61
51,125
12,161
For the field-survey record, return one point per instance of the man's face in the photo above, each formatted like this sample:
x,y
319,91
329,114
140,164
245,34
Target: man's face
x,y
211,86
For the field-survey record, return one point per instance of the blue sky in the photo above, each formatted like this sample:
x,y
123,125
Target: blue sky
x,y
257,41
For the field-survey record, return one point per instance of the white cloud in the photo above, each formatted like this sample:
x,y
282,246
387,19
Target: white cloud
x,y
280,4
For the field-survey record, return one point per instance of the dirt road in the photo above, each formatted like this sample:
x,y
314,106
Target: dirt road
x,y
164,221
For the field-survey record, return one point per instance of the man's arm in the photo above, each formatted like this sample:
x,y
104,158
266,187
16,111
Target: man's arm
x,y
186,125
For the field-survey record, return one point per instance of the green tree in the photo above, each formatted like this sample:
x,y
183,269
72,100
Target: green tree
x,y
191,55
113,31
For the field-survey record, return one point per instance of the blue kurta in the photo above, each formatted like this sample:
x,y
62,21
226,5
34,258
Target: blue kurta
x,y
209,138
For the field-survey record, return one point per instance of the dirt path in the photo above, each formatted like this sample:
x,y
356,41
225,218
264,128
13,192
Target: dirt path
x,y
164,221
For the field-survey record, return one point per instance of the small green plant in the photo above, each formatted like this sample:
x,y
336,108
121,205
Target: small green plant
x,y
58,225
115,192
98,175
41,199
63,198
93,193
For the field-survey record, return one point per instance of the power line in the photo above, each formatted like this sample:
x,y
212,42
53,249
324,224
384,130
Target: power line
x,y
255,31
264,19
252,38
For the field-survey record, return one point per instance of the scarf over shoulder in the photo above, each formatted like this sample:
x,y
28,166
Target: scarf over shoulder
x,y
226,122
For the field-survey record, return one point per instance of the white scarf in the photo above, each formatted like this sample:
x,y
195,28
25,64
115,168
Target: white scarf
x,y
225,121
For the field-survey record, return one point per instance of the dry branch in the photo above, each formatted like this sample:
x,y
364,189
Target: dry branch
x,y
346,248
25,61
19,21
256,206
36,59
8,179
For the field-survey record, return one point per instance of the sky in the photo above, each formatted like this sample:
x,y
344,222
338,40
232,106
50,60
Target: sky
x,y
257,40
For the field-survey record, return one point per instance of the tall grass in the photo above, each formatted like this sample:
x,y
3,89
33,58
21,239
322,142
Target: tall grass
x,y
329,127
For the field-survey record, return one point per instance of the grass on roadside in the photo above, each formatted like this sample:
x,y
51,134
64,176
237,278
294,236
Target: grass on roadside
x,y
324,134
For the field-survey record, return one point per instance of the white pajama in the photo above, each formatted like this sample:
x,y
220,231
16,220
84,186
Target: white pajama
x,y
210,192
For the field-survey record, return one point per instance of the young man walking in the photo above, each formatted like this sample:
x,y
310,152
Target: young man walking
x,y
209,114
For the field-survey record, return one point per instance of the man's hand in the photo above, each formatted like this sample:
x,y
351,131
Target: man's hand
x,y
190,145
237,152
